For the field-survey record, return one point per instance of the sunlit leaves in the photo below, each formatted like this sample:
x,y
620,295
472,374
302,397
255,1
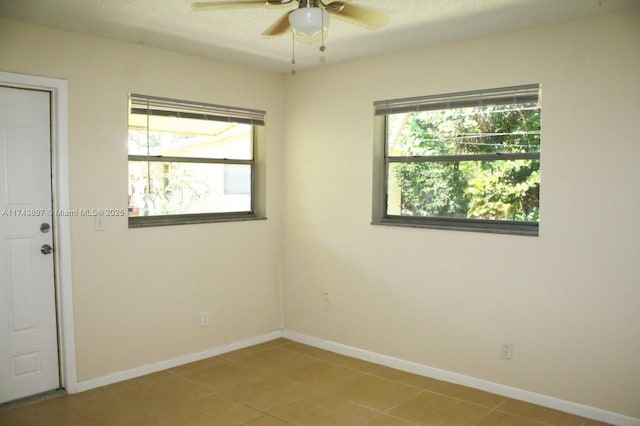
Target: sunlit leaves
x,y
496,189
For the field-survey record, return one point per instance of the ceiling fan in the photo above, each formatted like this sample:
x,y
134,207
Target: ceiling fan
x,y
310,17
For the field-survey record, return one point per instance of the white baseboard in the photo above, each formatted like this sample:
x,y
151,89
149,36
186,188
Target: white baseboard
x,y
170,363
397,363
472,382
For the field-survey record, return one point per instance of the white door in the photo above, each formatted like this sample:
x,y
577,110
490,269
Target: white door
x,y
28,338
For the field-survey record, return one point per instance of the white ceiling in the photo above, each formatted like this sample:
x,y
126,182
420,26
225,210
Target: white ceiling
x,y
234,34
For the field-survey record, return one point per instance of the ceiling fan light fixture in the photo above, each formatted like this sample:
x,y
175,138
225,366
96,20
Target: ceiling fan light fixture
x,y
309,21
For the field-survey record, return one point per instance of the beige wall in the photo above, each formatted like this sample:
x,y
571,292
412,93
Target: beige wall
x,y
138,293
568,300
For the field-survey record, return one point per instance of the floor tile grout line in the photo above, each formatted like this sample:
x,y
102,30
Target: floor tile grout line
x,y
322,391
400,403
391,379
388,379
497,409
464,400
400,418
494,409
425,388
284,372
153,412
421,389
283,345
361,371
260,410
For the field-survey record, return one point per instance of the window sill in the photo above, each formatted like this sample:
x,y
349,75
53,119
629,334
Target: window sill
x,y
190,219
467,225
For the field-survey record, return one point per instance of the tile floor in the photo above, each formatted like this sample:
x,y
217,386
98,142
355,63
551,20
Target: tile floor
x,y
280,383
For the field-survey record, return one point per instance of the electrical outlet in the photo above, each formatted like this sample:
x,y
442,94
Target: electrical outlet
x,y
204,319
506,351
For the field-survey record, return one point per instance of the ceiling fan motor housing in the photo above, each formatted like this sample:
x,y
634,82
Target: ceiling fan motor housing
x,y
309,20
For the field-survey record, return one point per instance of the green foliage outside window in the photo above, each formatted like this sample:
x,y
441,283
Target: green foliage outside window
x,y
431,181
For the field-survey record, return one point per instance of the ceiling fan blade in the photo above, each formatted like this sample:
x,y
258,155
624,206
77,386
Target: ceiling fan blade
x,y
281,26
366,18
208,5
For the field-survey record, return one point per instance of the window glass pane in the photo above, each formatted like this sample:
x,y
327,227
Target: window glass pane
x,y
492,190
237,179
474,130
165,188
185,137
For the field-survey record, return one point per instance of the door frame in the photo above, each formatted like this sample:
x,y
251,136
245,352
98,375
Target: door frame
x,y
60,194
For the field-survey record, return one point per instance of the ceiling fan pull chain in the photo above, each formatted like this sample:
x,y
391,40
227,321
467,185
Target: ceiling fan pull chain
x,y
293,53
322,46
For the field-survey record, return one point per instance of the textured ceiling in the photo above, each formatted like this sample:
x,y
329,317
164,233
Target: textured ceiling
x,y
234,34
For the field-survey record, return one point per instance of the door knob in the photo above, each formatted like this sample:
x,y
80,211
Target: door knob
x,y
46,249
44,228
